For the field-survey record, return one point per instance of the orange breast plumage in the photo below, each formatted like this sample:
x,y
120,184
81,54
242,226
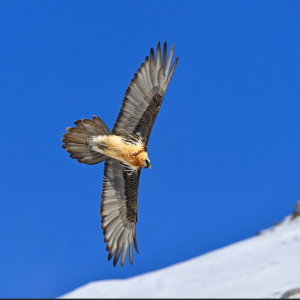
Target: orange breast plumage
x,y
115,147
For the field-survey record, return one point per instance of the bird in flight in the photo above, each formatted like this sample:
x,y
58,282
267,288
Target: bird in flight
x,y
124,150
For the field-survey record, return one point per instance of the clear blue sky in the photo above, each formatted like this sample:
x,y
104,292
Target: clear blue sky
x,y
224,149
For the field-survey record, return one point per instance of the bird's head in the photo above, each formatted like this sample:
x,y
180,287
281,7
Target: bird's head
x,y
144,160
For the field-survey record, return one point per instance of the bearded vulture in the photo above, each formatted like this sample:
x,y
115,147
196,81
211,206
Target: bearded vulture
x,y
124,150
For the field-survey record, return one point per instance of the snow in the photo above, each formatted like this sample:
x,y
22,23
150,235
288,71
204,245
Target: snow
x,y
264,266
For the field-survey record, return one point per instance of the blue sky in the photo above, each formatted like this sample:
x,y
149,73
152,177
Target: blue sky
x,y
224,149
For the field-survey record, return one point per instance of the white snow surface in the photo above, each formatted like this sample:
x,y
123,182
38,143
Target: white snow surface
x,y
264,266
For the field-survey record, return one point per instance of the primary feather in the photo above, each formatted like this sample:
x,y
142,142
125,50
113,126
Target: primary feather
x,y
144,95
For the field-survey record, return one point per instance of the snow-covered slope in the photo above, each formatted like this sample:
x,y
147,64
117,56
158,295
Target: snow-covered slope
x,y
264,266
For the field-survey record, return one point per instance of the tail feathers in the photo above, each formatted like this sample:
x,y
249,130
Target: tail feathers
x,y
75,141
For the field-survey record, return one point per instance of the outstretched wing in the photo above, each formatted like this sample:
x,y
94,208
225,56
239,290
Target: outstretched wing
x,y
119,209
144,95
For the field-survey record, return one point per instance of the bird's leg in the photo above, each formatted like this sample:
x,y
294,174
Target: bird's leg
x,y
96,143
91,141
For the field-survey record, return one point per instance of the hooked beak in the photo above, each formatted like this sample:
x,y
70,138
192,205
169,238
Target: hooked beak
x,y
148,164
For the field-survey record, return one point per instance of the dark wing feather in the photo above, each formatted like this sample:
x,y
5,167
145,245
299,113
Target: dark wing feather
x,y
144,95
119,209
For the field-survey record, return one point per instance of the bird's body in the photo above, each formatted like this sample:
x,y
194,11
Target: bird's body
x,y
129,151
124,150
